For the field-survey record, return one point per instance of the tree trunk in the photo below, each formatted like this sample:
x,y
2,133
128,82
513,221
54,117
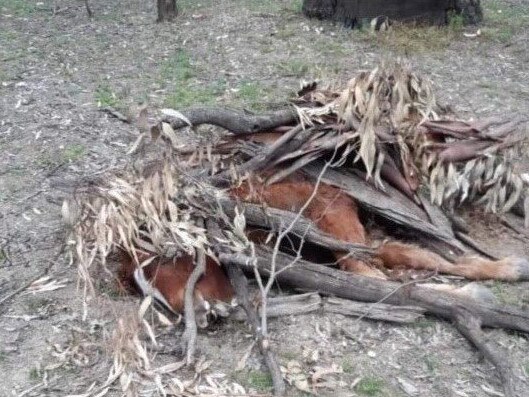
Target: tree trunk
x,y
470,10
167,10
358,12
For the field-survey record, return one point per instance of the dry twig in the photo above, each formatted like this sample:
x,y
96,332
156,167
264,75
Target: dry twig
x,y
240,284
190,334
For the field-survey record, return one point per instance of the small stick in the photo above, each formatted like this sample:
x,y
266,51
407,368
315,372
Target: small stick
x,y
240,285
507,223
114,113
190,334
474,245
27,285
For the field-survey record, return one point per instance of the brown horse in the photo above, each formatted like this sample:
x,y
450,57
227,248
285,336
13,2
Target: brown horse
x,y
335,213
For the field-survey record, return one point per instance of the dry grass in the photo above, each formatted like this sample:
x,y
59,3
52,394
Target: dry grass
x,y
410,39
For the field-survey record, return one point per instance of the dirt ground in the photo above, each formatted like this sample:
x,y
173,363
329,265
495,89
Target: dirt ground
x,y
57,68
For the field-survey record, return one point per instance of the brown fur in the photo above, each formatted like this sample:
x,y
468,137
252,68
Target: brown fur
x,y
334,212
169,276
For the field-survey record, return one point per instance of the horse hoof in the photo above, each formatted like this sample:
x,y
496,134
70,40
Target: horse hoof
x,y
521,266
478,292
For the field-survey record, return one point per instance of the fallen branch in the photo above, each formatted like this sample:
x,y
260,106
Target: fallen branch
x,y
312,277
392,205
374,311
291,305
470,327
190,334
240,285
286,306
235,121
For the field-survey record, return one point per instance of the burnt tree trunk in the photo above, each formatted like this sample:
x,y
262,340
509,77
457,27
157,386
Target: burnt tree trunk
x,y
470,10
354,13
167,10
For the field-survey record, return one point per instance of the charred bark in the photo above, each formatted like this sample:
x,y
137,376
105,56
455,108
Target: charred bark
x,y
167,10
356,13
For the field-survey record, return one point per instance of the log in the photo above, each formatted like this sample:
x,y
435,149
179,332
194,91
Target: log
x,y
234,121
311,302
312,277
377,311
286,306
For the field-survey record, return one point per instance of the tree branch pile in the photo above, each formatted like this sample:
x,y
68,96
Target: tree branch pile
x,y
383,140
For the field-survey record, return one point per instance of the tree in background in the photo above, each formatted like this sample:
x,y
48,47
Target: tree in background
x,y
167,10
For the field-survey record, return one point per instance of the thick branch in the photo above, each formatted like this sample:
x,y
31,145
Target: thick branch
x,y
235,121
311,302
312,277
391,205
286,306
470,327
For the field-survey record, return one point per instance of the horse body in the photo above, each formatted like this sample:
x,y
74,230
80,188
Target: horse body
x,y
335,213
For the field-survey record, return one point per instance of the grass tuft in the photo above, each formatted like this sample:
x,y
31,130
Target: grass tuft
x,y
261,381
179,72
294,68
370,386
73,153
177,68
503,20
20,8
104,96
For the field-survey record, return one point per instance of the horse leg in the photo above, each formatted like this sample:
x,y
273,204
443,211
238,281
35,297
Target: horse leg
x,y
395,255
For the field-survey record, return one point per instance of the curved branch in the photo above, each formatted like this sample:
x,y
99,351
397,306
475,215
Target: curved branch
x,y
235,121
470,326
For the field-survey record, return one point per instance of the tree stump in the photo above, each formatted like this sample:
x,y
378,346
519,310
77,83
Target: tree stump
x,y
470,10
167,10
354,13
